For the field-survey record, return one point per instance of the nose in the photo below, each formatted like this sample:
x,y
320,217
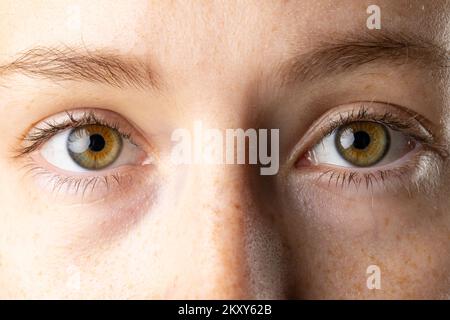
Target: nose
x,y
229,250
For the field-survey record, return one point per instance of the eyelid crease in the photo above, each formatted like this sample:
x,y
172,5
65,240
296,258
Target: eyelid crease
x,y
362,114
40,135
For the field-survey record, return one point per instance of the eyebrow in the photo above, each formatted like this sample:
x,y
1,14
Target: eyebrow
x,y
330,56
75,64
346,53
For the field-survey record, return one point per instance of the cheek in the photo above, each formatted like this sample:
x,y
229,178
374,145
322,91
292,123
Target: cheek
x,y
55,250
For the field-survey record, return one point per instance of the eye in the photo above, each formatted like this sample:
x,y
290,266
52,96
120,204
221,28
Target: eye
x,y
90,147
361,144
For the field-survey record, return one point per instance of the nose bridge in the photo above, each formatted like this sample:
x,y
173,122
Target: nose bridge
x,y
239,252
219,206
226,238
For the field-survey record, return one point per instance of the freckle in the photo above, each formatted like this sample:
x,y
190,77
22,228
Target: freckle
x,y
402,280
386,221
397,237
357,287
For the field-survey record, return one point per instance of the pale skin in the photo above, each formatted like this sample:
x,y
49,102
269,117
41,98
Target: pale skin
x,y
224,231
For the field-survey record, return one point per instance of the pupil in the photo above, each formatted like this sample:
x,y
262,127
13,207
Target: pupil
x,y
362,140
97,143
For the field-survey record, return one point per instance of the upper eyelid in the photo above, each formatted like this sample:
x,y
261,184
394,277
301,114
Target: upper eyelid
x,y
46,129
387,118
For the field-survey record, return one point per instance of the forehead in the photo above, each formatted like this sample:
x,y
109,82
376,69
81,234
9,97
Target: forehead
x,y
205,34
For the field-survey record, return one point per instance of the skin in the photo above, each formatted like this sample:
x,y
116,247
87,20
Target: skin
x,y
223,231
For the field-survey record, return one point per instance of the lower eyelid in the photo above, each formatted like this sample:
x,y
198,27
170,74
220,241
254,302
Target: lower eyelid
x,y
85,188
418,168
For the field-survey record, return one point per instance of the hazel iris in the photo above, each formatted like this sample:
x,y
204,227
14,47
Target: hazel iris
x,y
94,146
363,143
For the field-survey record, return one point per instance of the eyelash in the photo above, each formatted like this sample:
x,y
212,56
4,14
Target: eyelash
x,y
345,177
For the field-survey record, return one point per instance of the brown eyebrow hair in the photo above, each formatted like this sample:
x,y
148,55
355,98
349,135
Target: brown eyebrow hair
x,y
344,53
75,64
